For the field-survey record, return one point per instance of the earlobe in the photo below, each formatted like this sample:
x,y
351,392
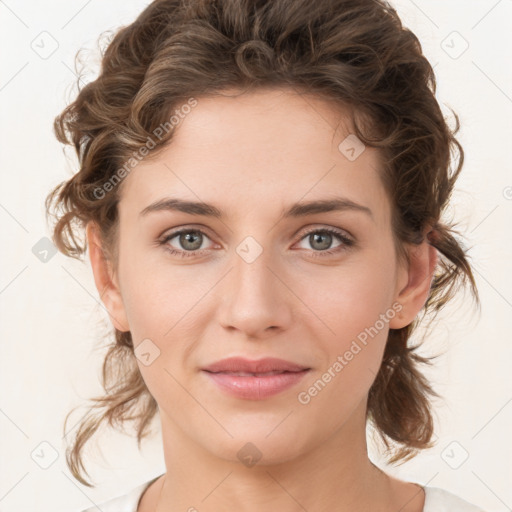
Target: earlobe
x,y
104,279
412,297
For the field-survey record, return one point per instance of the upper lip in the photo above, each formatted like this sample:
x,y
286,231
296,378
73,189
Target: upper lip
x,y
267,364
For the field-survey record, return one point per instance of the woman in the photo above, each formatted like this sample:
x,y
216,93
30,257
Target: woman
x,y
261,187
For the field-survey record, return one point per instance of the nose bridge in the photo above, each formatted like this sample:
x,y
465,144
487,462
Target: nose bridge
x,y
254,299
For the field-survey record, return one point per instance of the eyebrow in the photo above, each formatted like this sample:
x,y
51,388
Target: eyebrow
x,y
300,209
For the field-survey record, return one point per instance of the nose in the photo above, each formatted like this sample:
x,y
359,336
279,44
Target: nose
x,y
254,297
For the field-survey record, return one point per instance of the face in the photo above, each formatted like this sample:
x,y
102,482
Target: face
x,y
316,287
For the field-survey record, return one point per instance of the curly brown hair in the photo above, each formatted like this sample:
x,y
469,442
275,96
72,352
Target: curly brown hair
x,y
355,53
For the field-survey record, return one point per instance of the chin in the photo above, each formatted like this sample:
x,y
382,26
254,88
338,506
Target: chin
x,y
256,447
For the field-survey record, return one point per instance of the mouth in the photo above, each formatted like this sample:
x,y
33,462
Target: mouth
x,y
255,386
254,374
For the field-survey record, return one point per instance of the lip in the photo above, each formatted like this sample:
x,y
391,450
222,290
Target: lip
x,y
267,364
228,375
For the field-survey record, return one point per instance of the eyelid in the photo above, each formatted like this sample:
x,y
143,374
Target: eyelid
x,y
323,227
186,227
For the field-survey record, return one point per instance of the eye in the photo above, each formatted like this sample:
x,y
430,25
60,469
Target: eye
x,y
190,240
321,239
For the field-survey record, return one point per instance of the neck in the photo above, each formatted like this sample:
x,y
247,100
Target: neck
x,y
336,475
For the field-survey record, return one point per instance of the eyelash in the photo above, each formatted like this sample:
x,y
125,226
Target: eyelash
x,y
346,242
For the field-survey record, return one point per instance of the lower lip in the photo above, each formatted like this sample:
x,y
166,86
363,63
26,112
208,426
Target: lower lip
x,y
255,388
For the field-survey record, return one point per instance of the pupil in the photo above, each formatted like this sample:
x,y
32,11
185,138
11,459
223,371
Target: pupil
x,y
186,238
326,236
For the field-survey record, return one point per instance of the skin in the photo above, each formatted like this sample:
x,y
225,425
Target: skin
x,y
287,303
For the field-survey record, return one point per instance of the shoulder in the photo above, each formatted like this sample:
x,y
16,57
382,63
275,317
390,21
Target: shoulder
x,y
125,503
441,500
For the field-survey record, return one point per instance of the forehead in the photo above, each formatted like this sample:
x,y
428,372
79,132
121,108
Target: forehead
x,y
259,150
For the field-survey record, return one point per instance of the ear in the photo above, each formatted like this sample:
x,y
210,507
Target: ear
x,y
414,282
105,279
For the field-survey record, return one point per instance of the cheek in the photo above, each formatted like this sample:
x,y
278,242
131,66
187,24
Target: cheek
x,y
161,317
358,312
348,299
158,300
355,309
165,308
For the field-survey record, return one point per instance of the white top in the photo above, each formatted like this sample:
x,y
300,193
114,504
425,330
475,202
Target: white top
x,y
436,500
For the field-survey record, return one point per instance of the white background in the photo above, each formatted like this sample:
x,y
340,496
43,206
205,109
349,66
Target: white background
x,y
51,322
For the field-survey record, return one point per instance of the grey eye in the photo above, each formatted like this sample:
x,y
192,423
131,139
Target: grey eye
x,y
189,240
321,240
